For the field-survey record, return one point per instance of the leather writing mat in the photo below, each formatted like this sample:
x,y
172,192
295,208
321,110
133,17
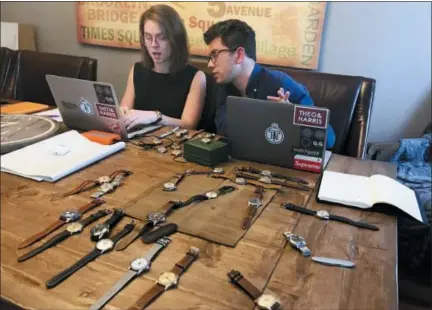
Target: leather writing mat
x,y
218,220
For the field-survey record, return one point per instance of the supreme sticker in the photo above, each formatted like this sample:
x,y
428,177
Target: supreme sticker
x,y
307,163
106,111
310,116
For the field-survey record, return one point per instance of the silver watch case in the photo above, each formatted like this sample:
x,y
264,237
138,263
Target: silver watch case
x,y
156,217
169,187
254,202
70,215
104,245
139,265
322,214
212,195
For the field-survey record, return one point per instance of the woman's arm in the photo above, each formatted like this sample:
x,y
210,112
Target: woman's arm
x,y
194,105
129,94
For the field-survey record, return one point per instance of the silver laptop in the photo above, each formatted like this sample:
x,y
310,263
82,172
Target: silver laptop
x,y
88,105
282,134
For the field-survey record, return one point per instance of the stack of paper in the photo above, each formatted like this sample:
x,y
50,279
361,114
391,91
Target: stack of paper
x,y
56,157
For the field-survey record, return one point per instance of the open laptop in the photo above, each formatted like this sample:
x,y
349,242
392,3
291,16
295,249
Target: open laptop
x,y
89,105
282,134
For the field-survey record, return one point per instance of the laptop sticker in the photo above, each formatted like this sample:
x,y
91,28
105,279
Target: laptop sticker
x,y
115,126
106,111
307,163
313,152
69,105
104,94
86,107
274,134
310,116
312,138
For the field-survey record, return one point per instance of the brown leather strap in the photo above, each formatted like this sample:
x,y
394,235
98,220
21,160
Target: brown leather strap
x,y
259,194
237,278
131,237
86,185
94,203
185,263
178,178
148,297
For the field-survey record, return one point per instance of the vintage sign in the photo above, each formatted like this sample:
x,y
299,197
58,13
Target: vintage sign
x,y
287,33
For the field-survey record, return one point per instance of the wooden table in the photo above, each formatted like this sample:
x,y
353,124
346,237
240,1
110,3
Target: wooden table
x,y
262,255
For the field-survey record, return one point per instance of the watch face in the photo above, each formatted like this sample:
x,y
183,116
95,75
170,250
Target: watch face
x,y
139,264
254,202
266,173
167,279
105,244
74,227
218,170
156,217
99,230
161,149
176,152
175,146
265,180
323,214
267,301
70,215
211,195
106,187
296,239
169,186
157,141
240,181
104,179
206,140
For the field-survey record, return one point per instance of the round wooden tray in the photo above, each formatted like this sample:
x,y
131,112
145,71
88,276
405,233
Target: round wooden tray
x,y
18,131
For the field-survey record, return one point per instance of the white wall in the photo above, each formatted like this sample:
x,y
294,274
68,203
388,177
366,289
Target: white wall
x,y
390,42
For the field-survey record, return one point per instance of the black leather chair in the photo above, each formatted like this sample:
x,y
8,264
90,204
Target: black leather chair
x,y
349,99
25,78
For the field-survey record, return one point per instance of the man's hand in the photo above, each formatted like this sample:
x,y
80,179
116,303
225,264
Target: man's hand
x,y
282,96
135,118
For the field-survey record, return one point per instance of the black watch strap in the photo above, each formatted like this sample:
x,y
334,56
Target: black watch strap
x,y
94,217
196,198
158,233
126,230
352,222
50,243
292,207
125,242
56,280
115,218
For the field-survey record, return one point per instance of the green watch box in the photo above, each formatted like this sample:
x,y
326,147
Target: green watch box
x,y
206,154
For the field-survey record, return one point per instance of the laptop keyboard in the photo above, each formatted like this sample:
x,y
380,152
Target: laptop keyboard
x,y
140,131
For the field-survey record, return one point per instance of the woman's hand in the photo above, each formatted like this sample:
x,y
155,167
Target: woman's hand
x,y
282,96
135,118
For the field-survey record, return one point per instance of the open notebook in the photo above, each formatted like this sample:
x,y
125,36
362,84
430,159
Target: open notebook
x,y
54,158
365,192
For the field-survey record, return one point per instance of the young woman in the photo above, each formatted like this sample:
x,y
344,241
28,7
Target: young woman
x,y
163,87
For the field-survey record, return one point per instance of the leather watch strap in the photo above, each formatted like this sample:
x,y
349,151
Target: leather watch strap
x,y
59,223
50,243
352,222
185,262
268,180
115,218
253,209
293,207
127,229
138,231
94,217
237,278
160,232
56,280
148,297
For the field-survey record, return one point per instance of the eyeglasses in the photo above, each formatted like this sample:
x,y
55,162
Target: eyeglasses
x,y
213,57
159,39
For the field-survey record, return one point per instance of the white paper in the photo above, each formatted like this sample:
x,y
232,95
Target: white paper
x,y
53,114
56,157
9,35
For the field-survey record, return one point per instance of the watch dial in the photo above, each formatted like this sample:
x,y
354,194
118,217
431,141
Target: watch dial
x,y
157,217
167,279
211,195
265,180
74,227
296,239
255,202
169,186
70,215
105,244
323,214
240,181
266,172
99,229
218,170
104,179
140,264
266,301
106,187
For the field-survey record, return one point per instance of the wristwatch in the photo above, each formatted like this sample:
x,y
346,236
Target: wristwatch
x,y
147,226
102,230
167,280
254,203
86,185
71,229
268,173
137,267
220,191
172,185
102,246
324,215
263,301
66,217
111,186
269,180
215,171
298,243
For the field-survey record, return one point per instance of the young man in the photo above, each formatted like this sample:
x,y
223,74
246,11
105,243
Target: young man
x,y
234,68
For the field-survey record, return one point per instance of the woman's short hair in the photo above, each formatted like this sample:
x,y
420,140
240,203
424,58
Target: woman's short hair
x,y
175,32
